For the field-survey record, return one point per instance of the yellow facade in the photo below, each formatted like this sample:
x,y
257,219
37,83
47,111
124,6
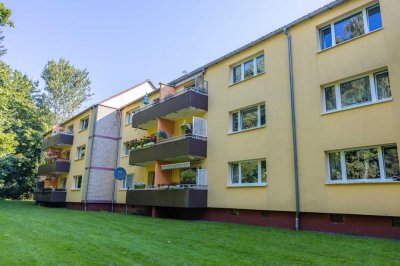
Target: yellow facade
x,y
318,132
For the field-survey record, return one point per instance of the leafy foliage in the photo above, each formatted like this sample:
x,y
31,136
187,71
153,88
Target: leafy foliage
x,y
5,15
67,88
23,119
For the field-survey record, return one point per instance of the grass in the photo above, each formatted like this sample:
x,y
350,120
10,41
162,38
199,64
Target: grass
x,y
33,235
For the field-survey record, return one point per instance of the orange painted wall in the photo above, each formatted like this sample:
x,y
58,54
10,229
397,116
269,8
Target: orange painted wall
x,y
161,177
165,90
166,125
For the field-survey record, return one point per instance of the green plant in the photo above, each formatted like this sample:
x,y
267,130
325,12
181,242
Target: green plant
x,y
162,134
139,186
188,177
185,125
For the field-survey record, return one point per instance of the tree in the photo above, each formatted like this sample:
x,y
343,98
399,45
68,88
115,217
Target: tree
x,y
5,15
23,120
67,88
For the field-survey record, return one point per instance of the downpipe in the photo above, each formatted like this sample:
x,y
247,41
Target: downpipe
x,y
294,130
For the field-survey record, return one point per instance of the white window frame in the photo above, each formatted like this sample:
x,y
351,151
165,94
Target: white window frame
x,y
372,86
241,64
343,169
239,113
75,185
79,152
129,115
84,123
123,182
363,10
125,149
240,184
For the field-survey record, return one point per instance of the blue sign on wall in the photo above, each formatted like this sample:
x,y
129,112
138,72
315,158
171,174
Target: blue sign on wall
x,y
119,173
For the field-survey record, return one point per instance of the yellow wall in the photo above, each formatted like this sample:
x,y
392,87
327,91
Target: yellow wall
x,y
78,166
317,133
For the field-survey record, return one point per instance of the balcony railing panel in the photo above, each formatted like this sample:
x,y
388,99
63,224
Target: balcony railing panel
x,y
57,140
54,167
188,98
50,195
178,198
185,146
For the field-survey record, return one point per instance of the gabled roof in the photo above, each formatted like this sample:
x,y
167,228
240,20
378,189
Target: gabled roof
x,y
259,40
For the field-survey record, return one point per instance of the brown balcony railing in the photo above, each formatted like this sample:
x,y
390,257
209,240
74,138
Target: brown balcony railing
x,y
50,195
56,166
183,146
194,98
58,140
178,197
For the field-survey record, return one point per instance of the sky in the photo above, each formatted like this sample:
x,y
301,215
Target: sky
x,y
123,42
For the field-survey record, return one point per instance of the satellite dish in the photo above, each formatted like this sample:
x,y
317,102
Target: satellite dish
x,y
120,173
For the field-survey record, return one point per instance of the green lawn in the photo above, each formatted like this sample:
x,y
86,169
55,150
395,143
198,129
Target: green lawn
x,y
32,235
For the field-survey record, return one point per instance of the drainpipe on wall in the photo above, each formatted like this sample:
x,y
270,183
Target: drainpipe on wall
x,y
117,161
294,130
95,108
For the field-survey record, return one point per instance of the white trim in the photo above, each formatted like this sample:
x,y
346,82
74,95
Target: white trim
x,y
364,12
239,116
241,64
240,184
372,86
381,164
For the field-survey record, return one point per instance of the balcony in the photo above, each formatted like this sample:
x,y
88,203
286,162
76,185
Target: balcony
x,y
54,167
191,101
188,147
192,197
58,140
50,195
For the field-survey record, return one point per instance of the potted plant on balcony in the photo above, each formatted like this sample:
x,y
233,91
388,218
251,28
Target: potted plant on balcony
x,y
186,127
139,186
188,177
162,135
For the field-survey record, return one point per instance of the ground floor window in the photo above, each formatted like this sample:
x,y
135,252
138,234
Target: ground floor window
x,y
371,163
128,181
248,172
77,182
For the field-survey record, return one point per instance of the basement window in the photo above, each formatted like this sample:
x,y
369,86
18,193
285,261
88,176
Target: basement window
x,y
396,221
336,218
235,212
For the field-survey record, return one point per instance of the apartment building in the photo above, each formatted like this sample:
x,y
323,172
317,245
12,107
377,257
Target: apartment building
x,y
298,129
81,154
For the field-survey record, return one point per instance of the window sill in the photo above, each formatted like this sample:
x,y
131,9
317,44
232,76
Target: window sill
x,y
245,130
80,159
82,130
247,185
357,106
356,38
125,155
233,84
75,189
122,189
354,182
127,124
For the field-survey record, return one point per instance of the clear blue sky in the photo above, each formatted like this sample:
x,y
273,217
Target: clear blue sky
x,y
122,43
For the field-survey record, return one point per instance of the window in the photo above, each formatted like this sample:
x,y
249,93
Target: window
x,y
248,172
70,129
128,181
63,183
67,155
126,149
374,18
357,24
370,88
248,69
248,118
77,182
84,123
80,152
364,164
129,115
